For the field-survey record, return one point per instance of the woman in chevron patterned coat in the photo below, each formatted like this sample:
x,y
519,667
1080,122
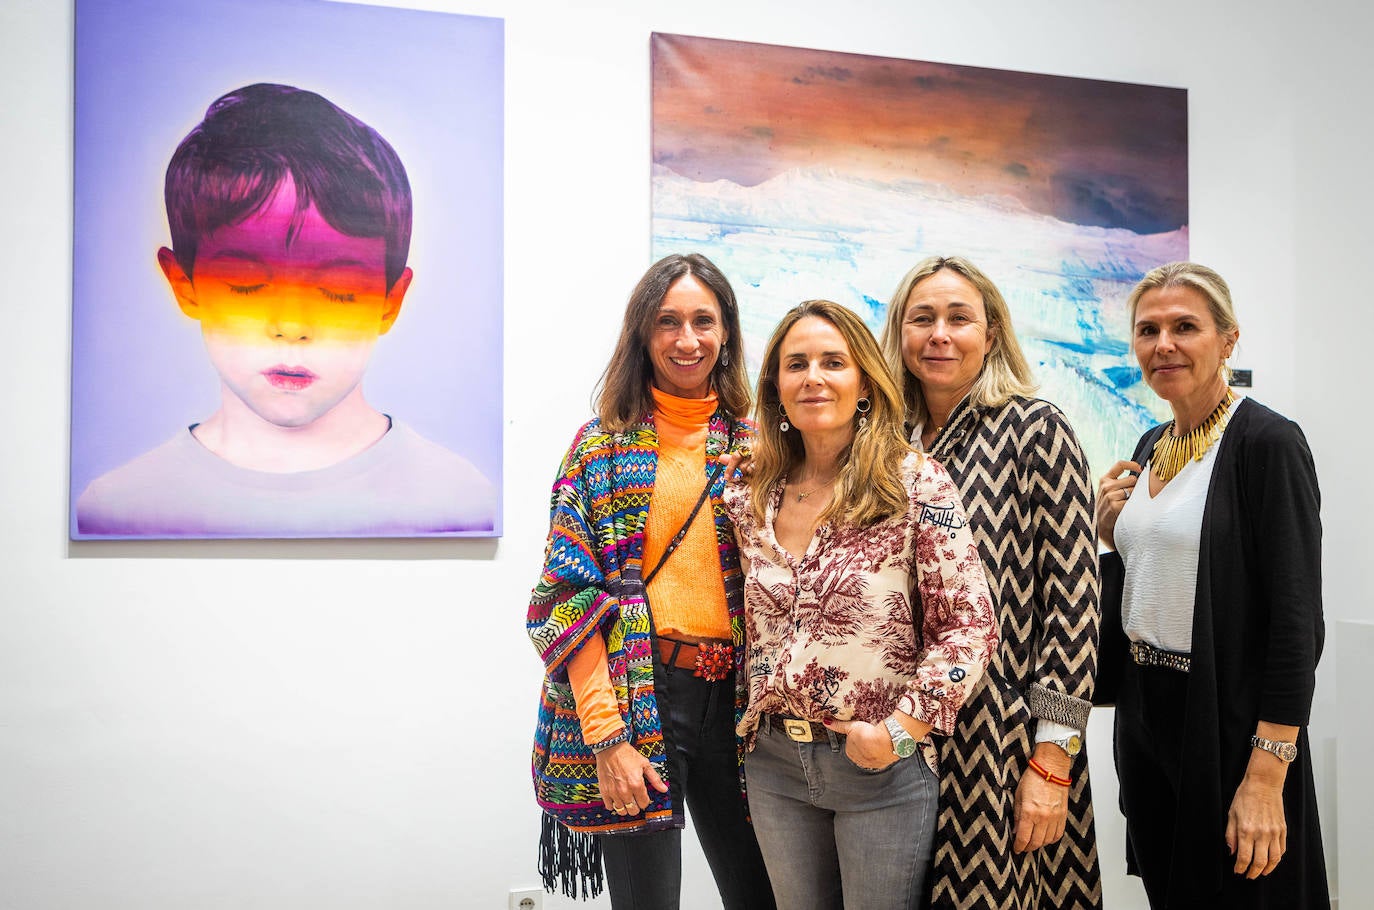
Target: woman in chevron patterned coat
x,y
1016,826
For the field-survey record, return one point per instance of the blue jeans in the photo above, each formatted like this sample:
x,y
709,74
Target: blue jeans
x,y
835,835
644,871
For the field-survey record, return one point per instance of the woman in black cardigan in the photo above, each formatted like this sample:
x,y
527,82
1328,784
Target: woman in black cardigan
x,y
1212,621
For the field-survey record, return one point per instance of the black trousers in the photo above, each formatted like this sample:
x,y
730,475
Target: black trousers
x,y
1149,756
1152,758
644,871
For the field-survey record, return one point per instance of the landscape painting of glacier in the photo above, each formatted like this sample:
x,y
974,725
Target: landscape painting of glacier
x,y
805,173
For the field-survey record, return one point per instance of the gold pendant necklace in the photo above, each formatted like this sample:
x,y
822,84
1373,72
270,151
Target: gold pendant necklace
x,y
1172,453
801,497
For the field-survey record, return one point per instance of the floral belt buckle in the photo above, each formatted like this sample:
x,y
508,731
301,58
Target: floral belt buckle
x,y
714,661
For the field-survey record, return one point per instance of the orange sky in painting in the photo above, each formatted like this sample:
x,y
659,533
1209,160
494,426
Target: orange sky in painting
x,y
1086,151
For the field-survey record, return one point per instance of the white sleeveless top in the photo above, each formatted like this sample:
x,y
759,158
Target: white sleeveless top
x,y
1158,538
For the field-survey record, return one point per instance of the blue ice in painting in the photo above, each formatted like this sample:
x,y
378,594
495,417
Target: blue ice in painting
x,y
805,235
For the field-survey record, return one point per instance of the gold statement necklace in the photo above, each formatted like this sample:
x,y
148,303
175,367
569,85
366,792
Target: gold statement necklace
x,y
1172,453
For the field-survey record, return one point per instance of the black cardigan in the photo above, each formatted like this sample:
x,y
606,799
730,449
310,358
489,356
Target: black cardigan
x,y
1257,635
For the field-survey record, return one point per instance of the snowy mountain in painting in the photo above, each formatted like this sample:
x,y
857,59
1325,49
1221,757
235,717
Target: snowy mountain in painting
x,y
806,234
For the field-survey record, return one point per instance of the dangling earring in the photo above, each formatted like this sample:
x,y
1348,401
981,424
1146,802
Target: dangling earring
x,y
724,357
784,426
863,406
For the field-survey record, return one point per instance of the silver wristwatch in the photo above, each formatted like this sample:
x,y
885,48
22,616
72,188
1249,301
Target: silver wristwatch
x,y
1285,751
903,743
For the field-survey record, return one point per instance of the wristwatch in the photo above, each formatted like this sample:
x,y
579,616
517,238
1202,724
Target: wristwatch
x,y
903,743
1072,744
1285,751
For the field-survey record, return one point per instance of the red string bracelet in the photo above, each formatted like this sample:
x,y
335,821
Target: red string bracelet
x,y
1052,778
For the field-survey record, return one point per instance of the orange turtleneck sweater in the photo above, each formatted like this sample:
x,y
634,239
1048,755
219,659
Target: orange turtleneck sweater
x,y
687,596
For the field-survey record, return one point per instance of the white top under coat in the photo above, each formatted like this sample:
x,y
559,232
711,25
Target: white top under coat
x,y
1158,537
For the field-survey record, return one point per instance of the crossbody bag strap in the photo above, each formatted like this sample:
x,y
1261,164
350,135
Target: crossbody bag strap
x,y
682,531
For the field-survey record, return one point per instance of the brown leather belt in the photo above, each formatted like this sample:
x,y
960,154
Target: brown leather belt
x,y
798,730
710,659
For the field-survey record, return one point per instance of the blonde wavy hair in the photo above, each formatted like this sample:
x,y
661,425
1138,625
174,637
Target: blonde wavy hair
x,y
869,485
1005,373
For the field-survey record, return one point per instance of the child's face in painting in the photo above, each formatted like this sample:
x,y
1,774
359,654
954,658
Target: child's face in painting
x,y
289,322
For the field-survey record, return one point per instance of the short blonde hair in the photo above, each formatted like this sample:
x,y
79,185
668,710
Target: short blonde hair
x,y
1005,372
1198,277
869,485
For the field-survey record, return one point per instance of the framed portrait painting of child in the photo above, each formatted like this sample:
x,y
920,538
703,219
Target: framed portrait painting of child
x,y
287,302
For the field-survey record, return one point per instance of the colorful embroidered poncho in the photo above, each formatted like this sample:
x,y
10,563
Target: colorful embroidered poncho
x,y
592,584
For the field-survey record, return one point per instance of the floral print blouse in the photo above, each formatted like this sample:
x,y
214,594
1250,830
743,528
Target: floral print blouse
x,y
833,633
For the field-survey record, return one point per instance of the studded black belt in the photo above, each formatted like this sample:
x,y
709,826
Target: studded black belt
x,y
1149,656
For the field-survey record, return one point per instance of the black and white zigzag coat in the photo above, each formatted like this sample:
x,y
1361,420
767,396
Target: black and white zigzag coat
x,y
1029,499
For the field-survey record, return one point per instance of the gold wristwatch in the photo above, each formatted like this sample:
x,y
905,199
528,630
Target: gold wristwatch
x,y
1072,744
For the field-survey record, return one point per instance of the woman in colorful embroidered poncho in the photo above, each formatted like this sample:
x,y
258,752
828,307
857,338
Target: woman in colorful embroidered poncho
x,y
638,612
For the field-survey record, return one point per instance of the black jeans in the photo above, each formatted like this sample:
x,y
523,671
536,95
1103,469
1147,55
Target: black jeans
x,y
644,871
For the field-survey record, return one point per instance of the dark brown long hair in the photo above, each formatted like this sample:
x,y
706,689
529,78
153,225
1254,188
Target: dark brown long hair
x,y
623,395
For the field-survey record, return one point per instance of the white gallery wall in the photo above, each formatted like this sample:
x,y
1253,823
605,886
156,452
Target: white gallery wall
x,y
347,724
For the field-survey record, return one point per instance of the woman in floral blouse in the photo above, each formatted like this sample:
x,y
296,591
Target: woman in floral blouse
x,y
867,615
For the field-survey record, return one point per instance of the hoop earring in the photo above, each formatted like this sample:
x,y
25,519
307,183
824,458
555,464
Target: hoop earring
x,y
784,426
863,406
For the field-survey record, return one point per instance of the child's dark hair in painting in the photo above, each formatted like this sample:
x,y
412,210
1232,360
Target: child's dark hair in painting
x,y
233,162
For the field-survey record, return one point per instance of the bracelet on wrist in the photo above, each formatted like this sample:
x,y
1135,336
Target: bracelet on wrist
x,y
1052,778
622,737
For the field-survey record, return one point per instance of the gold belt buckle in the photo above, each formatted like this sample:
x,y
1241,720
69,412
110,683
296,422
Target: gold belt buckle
x,y
798,730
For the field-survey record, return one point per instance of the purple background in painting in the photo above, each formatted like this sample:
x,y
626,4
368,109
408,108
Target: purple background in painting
x,y
430,83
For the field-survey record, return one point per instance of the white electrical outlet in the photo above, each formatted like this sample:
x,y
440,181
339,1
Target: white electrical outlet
x,y
526,899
